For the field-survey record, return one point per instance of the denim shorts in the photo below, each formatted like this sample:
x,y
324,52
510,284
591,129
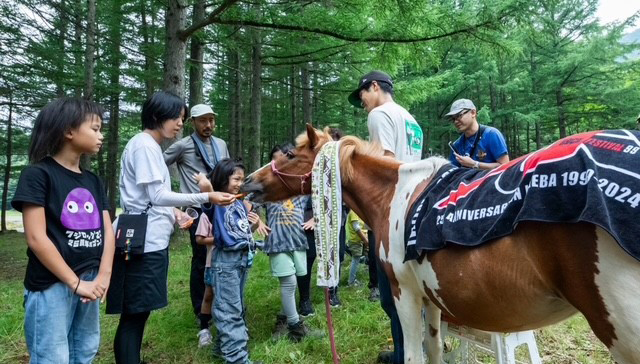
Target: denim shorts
x,y
208,276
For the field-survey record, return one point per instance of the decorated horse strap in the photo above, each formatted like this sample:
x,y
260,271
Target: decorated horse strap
x,y
591,177
326,196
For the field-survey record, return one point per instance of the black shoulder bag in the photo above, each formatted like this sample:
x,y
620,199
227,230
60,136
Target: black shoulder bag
x,y
131,232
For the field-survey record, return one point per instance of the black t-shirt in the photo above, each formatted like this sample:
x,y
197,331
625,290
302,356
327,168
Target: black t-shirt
x,y
73,206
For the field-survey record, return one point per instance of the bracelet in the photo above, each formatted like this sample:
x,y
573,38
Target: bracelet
x,y
77,285
476,165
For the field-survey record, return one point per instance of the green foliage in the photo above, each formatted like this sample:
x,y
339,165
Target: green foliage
x,y
535,69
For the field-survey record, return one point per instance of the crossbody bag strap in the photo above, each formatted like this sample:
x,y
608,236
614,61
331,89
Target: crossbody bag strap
x,y
478,137
146,209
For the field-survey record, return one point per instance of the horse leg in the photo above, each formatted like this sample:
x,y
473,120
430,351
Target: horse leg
x,y
433,336
409,308
618,282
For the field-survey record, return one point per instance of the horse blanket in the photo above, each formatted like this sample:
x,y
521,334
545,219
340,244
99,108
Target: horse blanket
x,y
592,177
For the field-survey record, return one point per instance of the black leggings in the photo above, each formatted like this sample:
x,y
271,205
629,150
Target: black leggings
x,y
304,282
128,340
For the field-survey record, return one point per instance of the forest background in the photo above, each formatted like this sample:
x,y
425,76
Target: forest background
x,y
538,70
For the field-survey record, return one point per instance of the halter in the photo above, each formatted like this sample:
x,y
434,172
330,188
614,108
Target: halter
x,y
303,177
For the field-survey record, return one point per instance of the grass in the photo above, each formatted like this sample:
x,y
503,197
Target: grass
x,y
361,327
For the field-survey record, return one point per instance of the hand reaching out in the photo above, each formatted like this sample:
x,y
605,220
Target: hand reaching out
x,y
221,198
309,225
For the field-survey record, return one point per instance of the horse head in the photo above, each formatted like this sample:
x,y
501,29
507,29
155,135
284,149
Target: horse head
x,y
290,174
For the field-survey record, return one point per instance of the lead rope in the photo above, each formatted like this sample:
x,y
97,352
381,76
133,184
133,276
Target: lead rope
x,y
326,195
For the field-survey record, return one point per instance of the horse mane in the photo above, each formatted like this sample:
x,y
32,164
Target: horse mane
x,y
350,146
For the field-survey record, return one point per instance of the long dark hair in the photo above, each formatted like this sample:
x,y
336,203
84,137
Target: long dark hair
x,y
54,120
160,107
219,177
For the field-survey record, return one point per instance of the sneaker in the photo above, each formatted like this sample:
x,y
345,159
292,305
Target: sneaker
x,y
204,338
334,300
306,309
280,328
374,295
385,356
300,330
355,283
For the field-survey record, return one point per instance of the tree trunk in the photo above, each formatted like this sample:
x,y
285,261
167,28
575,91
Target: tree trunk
x,y
294,97
235,83
528,144
175,48
196,66
493,96
256,100
89,54
314,96
7,167
112,152
113,139
62,36
77,55
306,94
146,45
89,65
562,118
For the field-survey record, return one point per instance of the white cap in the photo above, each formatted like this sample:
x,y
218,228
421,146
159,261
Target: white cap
x,y
201,109
459,105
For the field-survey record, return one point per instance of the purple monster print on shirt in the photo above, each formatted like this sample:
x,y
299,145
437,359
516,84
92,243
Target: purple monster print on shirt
x,y
80,211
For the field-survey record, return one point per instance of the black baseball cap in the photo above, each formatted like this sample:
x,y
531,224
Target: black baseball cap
x,y
354,97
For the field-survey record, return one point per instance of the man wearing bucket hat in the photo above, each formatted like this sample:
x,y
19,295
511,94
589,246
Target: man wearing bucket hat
x,y
479,146
197,153
397,131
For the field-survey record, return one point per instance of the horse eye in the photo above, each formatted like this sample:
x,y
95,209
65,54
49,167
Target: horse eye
x,y
290,154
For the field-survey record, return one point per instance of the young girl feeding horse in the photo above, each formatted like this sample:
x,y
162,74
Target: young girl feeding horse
x,y
231,259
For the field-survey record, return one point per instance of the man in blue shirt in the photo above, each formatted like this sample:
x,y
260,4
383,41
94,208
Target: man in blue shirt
x,y
479,146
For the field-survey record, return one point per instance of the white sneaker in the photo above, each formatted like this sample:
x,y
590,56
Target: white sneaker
x,y
204,338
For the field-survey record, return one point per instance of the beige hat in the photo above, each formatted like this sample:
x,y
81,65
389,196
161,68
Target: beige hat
x,y
201,109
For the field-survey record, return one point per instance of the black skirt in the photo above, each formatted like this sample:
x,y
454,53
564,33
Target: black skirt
x,y
138,284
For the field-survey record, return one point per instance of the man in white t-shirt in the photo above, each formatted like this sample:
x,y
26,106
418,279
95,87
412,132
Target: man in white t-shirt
x,y
397,131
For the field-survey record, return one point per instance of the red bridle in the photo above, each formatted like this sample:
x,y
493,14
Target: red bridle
x,y
303,177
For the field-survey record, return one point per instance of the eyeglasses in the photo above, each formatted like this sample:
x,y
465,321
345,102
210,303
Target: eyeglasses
x,y
457,116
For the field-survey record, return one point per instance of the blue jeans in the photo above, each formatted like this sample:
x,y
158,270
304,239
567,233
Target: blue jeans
x,y
353,271
58,327
230,270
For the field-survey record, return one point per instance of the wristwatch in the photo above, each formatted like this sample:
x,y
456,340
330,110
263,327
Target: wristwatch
x,y
476,165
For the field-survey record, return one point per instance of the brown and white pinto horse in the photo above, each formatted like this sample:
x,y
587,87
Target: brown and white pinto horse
x,y
540,274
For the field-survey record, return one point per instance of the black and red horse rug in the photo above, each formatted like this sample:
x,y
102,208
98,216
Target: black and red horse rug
x,y
591,177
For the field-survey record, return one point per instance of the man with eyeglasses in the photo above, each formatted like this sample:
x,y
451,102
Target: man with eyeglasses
x,y
401,138
197,153
479,146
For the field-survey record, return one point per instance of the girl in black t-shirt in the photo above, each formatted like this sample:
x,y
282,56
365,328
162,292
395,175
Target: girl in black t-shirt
x,y
68,231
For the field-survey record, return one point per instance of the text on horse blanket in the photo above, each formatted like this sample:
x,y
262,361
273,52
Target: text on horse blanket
x,y
591,177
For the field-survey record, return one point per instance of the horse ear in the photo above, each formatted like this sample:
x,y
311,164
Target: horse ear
x,y
313,137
